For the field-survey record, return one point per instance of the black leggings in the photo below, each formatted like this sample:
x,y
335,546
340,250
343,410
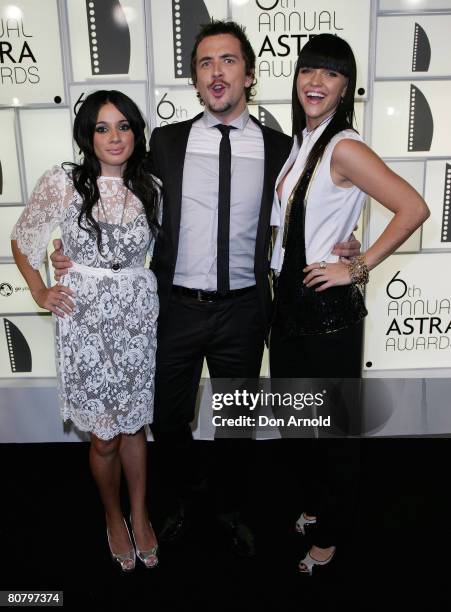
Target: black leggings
x,y
328,468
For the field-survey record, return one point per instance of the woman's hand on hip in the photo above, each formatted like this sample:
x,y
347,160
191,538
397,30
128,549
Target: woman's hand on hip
x,y
330,274
56,299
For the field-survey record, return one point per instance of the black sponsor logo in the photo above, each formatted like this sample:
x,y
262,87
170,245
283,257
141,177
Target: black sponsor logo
x,y
421,55
109,37
446,231
6,289
421,122
187,17
268,119
18,350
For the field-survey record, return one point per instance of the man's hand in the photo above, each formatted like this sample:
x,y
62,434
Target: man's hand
x,y
60,262
348,249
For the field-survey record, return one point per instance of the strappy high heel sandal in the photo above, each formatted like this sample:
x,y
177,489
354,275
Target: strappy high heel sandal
x,y
302,522
309,563
148,557
127,560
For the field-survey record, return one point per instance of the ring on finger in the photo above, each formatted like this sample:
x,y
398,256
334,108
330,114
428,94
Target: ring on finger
x,y
322,265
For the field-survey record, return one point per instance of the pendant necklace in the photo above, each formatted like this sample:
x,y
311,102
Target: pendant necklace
x,y
116,265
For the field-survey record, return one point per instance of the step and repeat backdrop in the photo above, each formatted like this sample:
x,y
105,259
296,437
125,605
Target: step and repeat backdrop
x,y
54,52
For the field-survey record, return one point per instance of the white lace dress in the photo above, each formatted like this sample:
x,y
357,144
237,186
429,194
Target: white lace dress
x,y
105,350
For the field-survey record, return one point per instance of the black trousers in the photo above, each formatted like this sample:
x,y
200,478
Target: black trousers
x,y
328,468
230,335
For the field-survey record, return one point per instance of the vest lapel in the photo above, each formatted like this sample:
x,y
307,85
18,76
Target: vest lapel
x,y
267,194
177,151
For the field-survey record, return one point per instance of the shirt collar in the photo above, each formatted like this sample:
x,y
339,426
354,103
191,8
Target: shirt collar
x,y
313,135
239,123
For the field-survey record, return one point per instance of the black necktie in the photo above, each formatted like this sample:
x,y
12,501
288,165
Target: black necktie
x,y
225,158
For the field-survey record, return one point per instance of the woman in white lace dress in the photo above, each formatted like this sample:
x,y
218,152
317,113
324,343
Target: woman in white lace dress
x,y
107,306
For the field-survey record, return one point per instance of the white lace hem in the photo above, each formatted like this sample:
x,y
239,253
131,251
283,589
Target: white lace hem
x,y
69,414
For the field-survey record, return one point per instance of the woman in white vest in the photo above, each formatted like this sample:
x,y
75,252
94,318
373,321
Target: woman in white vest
x,y
319,308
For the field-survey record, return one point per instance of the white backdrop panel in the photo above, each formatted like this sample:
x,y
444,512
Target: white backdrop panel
x,y
174,105
9,216
413,5
409,305
10,191
136,91
412,172
423,46
47,141
411,118
15,297
279,29
30,69
107,38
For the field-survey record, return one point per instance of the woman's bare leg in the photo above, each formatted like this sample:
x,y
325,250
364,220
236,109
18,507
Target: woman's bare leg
x,y
106,469
133,456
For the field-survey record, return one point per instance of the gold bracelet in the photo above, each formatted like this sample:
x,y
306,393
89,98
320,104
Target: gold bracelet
x,y
358,271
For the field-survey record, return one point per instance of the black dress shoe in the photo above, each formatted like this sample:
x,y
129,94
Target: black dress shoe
x,y
240,537
175,525
181,519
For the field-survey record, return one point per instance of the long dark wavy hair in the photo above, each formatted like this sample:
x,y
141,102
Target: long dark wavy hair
x,y
333,53
135,177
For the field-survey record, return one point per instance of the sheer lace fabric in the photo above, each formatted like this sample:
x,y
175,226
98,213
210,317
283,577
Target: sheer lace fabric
x,y
105,350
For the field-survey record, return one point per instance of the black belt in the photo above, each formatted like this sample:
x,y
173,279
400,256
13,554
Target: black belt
x,y
210,296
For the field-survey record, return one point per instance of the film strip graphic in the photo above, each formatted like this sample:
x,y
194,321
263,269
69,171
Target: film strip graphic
x,y
109,37
18,350
446,232
421,122
421,56
187,16
268,119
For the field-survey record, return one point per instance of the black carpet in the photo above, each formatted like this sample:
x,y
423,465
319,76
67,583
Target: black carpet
x,y
52,534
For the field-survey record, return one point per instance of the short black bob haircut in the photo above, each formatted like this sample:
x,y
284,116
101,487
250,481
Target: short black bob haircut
x,y
333,53
216,27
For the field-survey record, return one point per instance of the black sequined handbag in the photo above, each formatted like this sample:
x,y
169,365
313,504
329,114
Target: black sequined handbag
x,y
307,312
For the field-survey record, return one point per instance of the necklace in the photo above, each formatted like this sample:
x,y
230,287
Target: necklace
x,y
116,265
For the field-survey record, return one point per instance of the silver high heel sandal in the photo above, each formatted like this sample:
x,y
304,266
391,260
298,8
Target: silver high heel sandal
x,y
309,563
148,557
127,561
302,522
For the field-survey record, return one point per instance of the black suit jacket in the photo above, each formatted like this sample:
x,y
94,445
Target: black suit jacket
x,y
167,157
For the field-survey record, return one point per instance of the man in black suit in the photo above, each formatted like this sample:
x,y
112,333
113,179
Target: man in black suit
x,y
185,261
226,324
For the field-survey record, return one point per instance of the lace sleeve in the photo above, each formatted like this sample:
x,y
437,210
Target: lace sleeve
x,y
41,216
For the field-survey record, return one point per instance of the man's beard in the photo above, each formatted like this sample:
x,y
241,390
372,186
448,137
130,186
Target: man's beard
x,y
226,107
